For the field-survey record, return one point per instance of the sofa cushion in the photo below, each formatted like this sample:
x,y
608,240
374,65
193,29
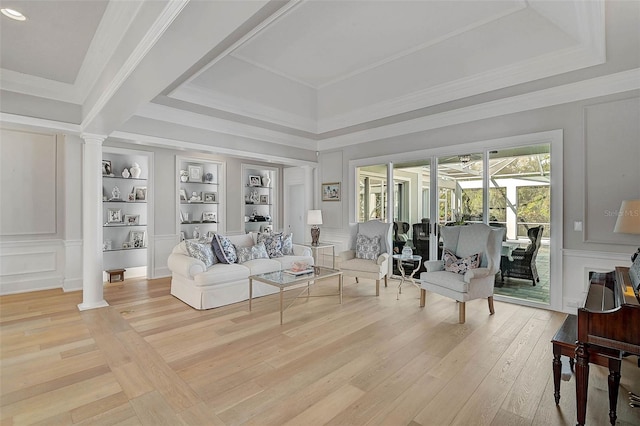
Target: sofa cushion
x,y
222,273
241,240
224,249
367,247
262,266
273,243
201,251
453,263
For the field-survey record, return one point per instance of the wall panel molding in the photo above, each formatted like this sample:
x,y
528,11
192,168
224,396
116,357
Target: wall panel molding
x,y
162,247
31,265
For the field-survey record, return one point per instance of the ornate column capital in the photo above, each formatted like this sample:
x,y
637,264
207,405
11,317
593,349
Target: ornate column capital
x,y
93,138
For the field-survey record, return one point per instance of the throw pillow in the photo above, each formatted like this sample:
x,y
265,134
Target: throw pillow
x,y
243,253
200,251
459,265
287,244
223,248
367,248
273,244
259,251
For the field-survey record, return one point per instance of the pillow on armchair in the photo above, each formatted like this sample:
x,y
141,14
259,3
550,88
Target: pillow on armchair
x,y
367,248
453,263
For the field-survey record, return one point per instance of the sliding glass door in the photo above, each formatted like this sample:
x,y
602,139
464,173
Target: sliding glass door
x,y
508,188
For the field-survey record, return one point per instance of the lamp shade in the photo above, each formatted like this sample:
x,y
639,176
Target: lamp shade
x,y
314,217
628,218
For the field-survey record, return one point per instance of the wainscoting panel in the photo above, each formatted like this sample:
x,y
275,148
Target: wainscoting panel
x,y
72,265
163,245
31,265
577,265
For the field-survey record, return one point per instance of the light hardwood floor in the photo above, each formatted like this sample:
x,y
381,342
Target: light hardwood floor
x,y
150,359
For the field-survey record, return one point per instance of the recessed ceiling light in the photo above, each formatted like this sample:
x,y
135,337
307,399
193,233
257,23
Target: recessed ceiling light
x,y
13,14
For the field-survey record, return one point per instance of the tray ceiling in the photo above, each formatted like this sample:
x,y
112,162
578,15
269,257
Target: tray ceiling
x,y
305,70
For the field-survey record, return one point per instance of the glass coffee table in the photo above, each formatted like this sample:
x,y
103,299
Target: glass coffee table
x,y
283,280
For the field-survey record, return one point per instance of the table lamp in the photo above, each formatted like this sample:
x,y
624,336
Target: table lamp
x,y
314,218
629,220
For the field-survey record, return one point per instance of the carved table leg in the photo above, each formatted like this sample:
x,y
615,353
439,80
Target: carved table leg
x,y
582,382
614,383
557,367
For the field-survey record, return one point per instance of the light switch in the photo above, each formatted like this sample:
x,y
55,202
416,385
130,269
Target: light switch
x,y
577,225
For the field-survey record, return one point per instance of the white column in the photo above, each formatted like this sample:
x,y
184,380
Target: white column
x,y
92,292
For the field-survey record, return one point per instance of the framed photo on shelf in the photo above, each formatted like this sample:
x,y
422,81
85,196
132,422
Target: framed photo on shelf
x,y
264,199
140,193
331,191
210,197
106,168
255,180
195,173
183,194
114,215
208,216
137,239
132,197
132,219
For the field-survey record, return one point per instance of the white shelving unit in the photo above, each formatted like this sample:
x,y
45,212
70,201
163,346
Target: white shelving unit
x,y
200,196
125,211
260,197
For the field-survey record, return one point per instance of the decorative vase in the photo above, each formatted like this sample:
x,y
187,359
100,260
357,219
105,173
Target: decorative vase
x,y
135,171
125,173
266,180
184,176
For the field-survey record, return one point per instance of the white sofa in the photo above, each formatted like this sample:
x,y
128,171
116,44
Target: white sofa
x,y
223,284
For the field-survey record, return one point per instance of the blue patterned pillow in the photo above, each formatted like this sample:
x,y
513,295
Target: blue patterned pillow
x,y
273,244
201,251
224,249
459,265
367,248
259,251
287,244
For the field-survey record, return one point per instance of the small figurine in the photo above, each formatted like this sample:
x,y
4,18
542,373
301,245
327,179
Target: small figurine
x,y
194,196
115,193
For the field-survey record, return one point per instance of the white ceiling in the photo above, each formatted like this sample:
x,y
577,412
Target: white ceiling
x,y
295,72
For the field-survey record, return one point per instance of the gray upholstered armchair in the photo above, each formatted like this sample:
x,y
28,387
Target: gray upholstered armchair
x,y
464,242
365,261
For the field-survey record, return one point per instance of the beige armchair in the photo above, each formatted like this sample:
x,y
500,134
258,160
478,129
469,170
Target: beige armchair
x,y
371,264
465,241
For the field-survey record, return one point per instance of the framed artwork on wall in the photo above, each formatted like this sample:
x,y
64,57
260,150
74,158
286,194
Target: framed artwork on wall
x,y
331,191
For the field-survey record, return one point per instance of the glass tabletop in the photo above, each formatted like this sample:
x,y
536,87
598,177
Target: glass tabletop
x,y
284,278
412,258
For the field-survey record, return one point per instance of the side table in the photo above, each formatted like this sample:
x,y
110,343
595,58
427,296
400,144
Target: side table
x,y
414,262
321,246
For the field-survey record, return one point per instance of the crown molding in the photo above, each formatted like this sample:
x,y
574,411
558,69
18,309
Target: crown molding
x,y
175,144
599,86
169,13
219,125
216,100
21,120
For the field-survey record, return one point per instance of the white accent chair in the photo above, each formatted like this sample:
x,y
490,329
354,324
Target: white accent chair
x,y
476,283
363,268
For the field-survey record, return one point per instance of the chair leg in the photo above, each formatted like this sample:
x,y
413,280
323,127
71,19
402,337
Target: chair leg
x,y
423,297
490,300
357,280
461,313
377,287
385,280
